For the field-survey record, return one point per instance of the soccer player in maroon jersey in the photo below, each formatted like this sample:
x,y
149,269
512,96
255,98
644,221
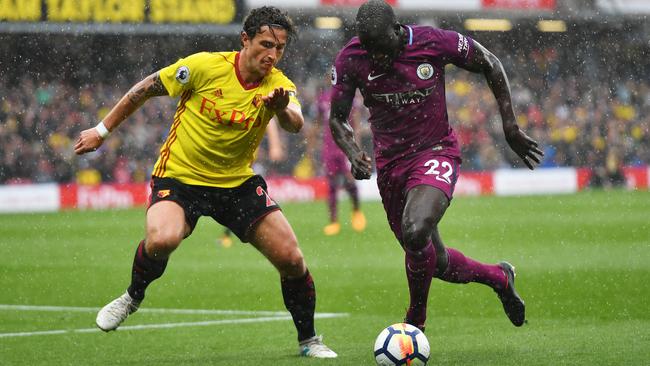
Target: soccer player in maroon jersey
x,y
337,168
399,70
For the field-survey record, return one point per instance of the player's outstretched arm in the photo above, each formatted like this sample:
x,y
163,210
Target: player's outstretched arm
x,y
92,138
343,135
487,63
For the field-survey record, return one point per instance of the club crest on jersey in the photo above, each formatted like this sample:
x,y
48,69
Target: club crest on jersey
x,y
183,75
425,71
333,75
257,100
218,93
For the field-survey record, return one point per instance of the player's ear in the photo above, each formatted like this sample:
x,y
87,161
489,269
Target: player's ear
x,y
244,39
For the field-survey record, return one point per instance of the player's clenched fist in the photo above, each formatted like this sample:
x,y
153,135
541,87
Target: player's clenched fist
x,y
89,140
361,166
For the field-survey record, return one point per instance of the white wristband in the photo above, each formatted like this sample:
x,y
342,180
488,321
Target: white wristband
x,y
102,130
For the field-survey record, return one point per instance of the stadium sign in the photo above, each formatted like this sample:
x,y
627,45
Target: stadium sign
x,y
419,5
120,11
520,4
624,6
502,182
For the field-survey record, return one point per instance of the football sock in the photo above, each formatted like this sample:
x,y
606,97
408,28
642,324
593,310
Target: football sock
x,y
462,269
332,201
420,269
299,296
144,271
353,192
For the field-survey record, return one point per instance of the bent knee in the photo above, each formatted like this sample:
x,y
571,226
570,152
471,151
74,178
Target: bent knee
x,y
291,263
162,242
416,233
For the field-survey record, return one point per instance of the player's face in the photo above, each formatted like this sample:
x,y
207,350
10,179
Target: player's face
x,y
383,46
265,49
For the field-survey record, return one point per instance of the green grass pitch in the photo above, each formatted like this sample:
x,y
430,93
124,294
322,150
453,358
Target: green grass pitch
x,y
583,264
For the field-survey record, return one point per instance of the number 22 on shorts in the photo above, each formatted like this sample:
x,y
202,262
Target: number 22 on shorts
x,y
443,174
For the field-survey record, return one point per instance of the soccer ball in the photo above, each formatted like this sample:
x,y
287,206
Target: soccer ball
x,y
401,344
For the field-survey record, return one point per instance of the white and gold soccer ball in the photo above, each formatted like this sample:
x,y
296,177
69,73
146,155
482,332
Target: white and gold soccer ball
x,y
401,344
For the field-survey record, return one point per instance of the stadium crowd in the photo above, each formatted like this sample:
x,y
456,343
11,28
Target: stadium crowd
x,y
591,115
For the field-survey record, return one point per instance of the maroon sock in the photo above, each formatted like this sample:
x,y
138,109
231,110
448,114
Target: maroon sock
x,y
353,192
420,269
144,271
332,200
299,296
462,269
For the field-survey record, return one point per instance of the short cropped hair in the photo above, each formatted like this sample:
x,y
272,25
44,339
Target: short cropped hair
x,y
269,16
375,15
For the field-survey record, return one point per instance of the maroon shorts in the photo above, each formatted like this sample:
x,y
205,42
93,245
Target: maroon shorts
x,y
336,164
424,168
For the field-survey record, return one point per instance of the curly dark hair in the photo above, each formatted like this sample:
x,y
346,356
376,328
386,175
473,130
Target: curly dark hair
x,y
268,15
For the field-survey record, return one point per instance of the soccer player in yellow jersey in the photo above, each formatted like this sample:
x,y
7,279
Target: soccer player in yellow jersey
x,y
226,102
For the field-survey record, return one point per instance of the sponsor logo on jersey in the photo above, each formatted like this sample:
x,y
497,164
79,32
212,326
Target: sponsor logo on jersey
x,y
333,75
163,193
218,93
233,118
425,72
183,75
463,45
404,98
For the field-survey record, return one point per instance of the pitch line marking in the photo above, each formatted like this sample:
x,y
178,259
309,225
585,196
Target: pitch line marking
x,y
275,316
144,310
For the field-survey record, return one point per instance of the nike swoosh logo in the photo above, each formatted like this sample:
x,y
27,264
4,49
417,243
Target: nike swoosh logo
x,y
371,77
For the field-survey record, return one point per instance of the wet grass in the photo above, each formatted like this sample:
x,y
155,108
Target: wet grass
x,y
582,264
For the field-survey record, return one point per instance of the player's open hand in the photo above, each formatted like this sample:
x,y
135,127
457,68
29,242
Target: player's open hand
x,y
89,140
524,146
361,166
277,100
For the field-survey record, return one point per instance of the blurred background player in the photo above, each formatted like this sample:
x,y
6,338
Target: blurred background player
x,y
205,167
275,154
335,164
399,70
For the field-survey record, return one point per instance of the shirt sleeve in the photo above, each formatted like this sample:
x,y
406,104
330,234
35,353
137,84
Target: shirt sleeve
x,y
293,94
290,87
279,80
183,74
455,47
343,83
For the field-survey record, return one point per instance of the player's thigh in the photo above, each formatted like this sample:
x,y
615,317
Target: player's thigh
x,y
425,204
275,239
430,187
166,226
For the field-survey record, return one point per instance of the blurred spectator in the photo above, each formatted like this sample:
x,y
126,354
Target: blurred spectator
x,y
583,107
